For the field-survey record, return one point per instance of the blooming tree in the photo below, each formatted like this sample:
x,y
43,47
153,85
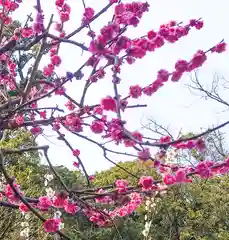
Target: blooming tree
x,y
23,88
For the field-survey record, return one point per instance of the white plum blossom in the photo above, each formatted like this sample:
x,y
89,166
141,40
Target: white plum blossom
x,y
50,192
49,177
150,205
25,233
24,224
57,214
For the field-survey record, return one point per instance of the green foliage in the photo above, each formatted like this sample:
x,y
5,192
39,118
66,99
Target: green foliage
x,y
24,168
29,174
195,211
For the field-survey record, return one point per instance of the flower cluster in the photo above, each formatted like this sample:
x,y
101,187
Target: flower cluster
x,y
64,11
130,13
134,202
11,195
8,6
25,227
181,67
52,225
88,15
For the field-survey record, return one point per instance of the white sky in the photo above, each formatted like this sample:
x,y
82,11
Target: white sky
x,y
173,104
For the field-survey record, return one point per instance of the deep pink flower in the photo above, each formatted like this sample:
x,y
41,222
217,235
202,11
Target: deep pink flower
x,y
66,8
96,217
56,126
76,152
12,197
59,3
48,70
98,45
119,9
157,84
219,48
165,139
156,163
181,176
64,16
131,208
97,126
123,212
122,43
221,170
108,104
52,225
146,182
138,136
100,73
197,61
176,76
149,90
136,52
38,25
190,144
200,145
91,178
121,185
181,66
70,105
88,15
73,122
159,41
91,34
71,208
110,31
35,130
27,32
144,154
56,60
19,119
59,200
23,208
196,23
130,60
203,169
133,20
76,164
92,61
44,203
163,75
169,179
43,114
192,22
130,143
199,25
163,31
151,34
98,110
135,91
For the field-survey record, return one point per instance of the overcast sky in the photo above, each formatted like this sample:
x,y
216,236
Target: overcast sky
x,y
173,104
